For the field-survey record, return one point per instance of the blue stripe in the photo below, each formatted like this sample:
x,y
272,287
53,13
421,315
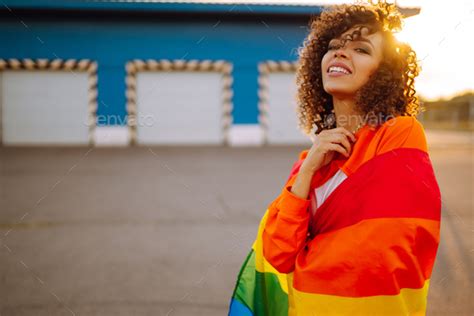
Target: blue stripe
x,y
238,309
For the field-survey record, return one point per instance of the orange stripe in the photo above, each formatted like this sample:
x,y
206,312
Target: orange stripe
x,y
373,257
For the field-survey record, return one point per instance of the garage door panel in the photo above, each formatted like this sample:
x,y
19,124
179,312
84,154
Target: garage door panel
x,y
282,115
44,107
186,107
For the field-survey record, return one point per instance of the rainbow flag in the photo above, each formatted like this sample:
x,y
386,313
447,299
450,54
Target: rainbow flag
x,y
373,246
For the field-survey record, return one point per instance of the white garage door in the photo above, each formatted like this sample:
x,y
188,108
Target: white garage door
x,y
282,118
179,107
44,107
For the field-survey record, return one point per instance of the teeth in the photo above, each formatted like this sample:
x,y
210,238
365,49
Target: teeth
x,y
338,69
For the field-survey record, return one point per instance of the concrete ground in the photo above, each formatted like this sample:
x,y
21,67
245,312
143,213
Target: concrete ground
x,y
163,230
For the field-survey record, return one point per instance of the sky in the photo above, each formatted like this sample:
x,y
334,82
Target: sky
x,y
441,35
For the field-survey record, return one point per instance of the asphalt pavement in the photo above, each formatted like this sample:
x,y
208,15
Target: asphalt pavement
x,y
164,230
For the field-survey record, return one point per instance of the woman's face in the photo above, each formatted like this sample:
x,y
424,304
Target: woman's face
x,y
346,69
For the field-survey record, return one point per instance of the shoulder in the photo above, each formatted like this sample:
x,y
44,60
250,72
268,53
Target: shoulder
x,y
401,131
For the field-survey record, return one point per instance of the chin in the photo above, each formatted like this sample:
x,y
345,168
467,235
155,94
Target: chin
x,y
335,90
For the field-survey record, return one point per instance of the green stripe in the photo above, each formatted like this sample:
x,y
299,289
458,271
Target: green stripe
x,y
260,292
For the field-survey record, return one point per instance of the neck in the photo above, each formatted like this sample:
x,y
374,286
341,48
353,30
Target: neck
x,y
346,116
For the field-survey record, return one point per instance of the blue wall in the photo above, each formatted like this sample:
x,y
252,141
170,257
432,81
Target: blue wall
x,y
112,41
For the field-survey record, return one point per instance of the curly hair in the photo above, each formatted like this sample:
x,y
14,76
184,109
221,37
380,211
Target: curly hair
x,y
390,89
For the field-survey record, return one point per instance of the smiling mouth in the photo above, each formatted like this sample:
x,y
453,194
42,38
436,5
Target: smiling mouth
x,y
338,69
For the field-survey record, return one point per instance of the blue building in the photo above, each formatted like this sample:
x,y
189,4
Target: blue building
x,y
150,72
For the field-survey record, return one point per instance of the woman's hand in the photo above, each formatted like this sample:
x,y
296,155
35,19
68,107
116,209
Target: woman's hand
x,y
325,145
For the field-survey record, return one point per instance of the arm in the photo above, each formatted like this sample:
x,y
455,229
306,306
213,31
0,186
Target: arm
x,y
286,228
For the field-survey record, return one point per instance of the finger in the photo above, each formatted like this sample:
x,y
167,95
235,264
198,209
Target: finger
x,y
350,134
338,148
345,131
342,139
345,142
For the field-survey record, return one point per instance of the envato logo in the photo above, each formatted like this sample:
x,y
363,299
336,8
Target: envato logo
x,y
142,120
369,118
354,119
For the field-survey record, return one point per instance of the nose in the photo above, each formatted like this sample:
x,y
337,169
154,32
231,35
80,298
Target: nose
x,y
340,52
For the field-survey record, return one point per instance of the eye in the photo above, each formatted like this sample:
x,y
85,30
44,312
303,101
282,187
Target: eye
x,y
362,50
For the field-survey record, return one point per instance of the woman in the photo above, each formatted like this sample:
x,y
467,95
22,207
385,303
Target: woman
x,y
355,229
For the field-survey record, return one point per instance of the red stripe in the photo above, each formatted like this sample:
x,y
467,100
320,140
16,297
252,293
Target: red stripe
x,y
399,183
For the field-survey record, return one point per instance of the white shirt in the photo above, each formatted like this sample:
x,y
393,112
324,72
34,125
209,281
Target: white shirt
x,y
321,193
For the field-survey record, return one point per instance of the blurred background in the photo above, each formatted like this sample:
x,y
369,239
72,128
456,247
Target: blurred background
x,y
141,142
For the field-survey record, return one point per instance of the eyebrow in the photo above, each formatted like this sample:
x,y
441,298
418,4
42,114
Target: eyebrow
x,y
363,39
359,39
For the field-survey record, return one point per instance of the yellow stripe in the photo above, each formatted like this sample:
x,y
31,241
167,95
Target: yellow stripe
x,y
408,302
261,264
